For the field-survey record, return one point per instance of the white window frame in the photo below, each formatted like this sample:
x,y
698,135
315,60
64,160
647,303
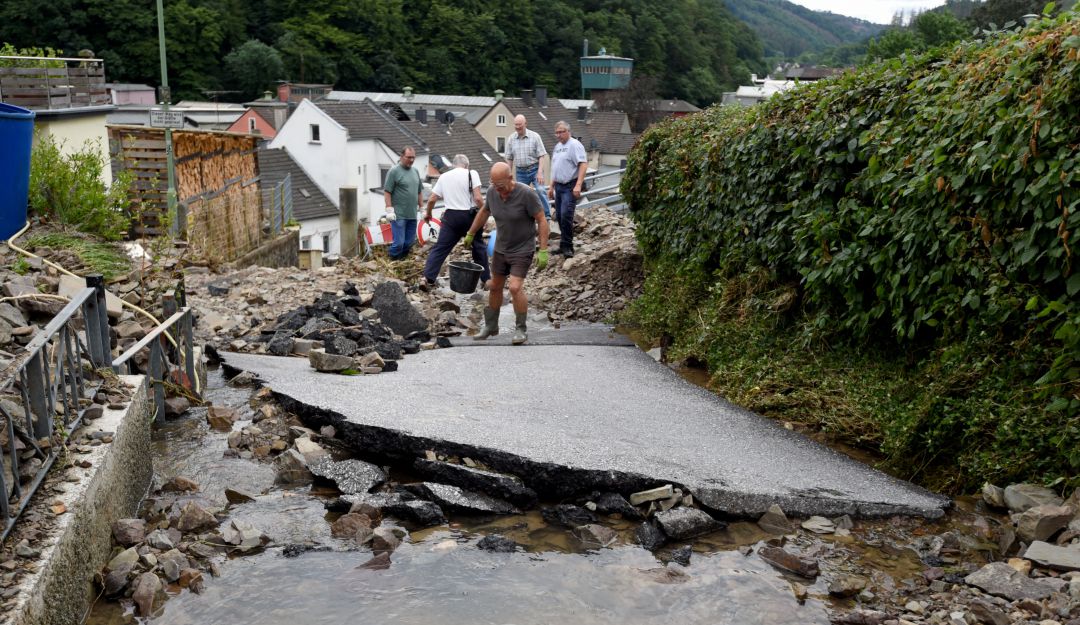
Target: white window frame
x,y
500,120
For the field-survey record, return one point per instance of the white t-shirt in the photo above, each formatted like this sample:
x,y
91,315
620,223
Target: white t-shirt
x,y
453,188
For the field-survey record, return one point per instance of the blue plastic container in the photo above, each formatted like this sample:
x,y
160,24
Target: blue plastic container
x,y
16,139
491,243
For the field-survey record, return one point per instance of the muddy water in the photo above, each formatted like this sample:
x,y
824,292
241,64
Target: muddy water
x,y
438,574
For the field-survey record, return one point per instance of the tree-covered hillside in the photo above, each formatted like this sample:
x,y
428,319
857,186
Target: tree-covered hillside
x,y
696,48
788,30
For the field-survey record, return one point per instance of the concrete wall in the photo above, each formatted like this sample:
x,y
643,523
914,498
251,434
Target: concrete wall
x,y
279,252
72,132
79,545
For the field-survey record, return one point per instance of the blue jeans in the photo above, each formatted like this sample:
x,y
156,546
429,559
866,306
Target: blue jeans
x,y
404,232
455,225
528,176
565,203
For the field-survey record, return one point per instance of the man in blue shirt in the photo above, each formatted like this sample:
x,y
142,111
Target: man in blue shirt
x,y
568,164
402,193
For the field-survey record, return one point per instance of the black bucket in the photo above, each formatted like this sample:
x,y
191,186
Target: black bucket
x,y
464,276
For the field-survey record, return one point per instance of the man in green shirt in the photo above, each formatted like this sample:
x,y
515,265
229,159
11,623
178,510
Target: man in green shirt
x,y
403,196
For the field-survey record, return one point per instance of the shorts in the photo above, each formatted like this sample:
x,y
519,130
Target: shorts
x,y
516,265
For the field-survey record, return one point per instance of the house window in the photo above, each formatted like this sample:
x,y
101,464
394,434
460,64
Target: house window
x,y
500,145
251,124
500,120
305,243
383,171
314,133
326,244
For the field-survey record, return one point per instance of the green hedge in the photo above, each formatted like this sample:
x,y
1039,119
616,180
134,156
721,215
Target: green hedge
x,y
923,205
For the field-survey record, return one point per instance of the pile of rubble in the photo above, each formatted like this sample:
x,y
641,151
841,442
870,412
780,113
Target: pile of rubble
x,y
603,276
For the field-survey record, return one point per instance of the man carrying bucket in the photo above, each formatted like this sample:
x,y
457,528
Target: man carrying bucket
x,y
460,190
519,217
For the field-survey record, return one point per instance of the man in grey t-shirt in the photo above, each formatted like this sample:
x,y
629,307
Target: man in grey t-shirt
x,y
518,218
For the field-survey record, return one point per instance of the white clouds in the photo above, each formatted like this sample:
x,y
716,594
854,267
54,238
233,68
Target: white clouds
x,y
877,11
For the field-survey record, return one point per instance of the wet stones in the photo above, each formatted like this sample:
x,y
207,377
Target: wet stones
x,y
147,589
1055,557
683,523
348,525
655,494
194,518
1002,580
128,532
243,537
649,536
497,544
292,468
423,513
498,485
461,500
614,503
774,521
783,559
350,476
568,515
595,535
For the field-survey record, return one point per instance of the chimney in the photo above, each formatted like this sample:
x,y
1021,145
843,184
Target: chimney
x,y
582,113
421,116
541,95
499,93
440,116
407,93
526,97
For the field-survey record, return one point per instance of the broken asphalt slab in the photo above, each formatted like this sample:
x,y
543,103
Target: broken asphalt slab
x,y
572,418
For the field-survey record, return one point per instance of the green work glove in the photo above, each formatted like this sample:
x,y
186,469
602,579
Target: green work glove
x,y
468,239
541,259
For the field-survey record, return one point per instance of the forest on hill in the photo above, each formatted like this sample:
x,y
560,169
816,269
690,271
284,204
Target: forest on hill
x,y
788,30
695,48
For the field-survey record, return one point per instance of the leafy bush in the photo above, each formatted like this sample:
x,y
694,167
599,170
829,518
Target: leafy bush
x,y
68,188
922,206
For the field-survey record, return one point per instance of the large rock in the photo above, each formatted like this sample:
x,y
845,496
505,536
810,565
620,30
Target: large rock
x,y
12,315
347,525
70,285
783,559
596,535
1021,497
160,539
117,580
774,521
129,532
340,346
244,537
221,417
649,536
683,523
396,311
614,503
568,515
291,468
172,562
350,476
147,587
454,498
423,513
497,485
1053,556
312,452
1002,580
329,363
1042,522
195,518
497,544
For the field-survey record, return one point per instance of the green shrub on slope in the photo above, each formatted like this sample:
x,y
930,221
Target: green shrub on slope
x,y
922,205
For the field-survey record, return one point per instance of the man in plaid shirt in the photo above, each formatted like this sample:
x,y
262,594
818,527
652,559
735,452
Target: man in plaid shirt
x,y
525,154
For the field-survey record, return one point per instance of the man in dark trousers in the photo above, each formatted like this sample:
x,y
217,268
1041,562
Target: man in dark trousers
x,y
568,164
403,193
459,188
519,218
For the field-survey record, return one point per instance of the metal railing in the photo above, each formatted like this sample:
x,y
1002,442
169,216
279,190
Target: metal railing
x,y
52,385
281,204
604,195
169,357
52,83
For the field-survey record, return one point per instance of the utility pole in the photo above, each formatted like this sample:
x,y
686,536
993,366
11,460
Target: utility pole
x,y
177,228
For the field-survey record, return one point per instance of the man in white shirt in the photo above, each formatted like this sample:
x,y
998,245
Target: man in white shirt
x,y
459,188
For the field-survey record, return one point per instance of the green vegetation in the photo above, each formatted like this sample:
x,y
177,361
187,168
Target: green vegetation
x,y
96,256
788,30
20,266
68,188
886,254
467,46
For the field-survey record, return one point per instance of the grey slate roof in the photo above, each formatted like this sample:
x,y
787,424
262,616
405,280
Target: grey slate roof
x,y
309,202
367,120
603,127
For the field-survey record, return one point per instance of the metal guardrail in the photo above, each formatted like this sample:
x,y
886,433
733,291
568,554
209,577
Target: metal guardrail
x,y
50,380
167,355
281,204
602,196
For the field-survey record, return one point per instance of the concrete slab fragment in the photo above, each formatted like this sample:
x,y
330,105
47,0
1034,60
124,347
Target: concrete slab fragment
x,y
578,415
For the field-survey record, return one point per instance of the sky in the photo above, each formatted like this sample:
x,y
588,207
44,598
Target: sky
x,y
877,11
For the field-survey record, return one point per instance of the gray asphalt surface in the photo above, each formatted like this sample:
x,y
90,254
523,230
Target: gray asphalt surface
x,y
601,408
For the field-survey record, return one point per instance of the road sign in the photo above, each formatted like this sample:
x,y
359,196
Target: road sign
x,y
167,119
